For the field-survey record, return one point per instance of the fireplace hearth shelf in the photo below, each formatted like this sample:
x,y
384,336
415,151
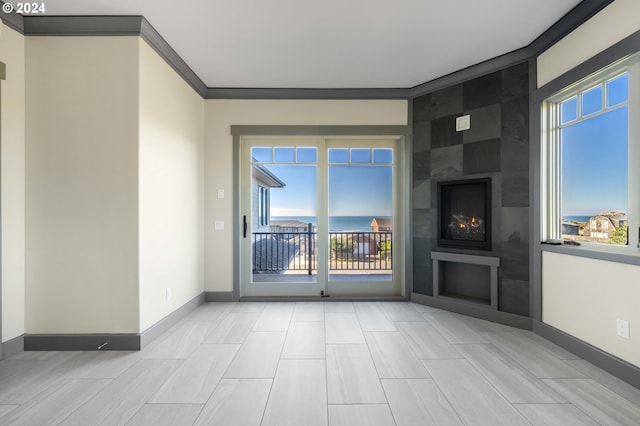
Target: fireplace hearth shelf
x,y
466,277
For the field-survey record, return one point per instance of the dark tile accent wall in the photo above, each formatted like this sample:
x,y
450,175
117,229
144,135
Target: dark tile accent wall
x,y
496,146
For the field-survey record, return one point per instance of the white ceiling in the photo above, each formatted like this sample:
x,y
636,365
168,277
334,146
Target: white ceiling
x,y
333,43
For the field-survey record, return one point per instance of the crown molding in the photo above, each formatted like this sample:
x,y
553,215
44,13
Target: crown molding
x,y
263,93
13,20
569,22
171,57
82,25
139,26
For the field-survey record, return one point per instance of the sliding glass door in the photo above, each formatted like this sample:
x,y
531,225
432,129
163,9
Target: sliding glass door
x,y
318,217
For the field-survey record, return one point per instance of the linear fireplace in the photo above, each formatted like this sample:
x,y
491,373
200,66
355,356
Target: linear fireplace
x,y
464,214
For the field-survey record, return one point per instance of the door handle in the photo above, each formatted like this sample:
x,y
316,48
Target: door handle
x,y
244,226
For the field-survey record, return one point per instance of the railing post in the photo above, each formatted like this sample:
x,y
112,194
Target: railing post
x,y
309,248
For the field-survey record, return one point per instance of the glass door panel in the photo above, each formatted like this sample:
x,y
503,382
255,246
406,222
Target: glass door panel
x,y
361,216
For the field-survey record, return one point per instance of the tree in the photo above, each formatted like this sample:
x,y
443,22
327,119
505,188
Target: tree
x,y
341,248
620,235
384,248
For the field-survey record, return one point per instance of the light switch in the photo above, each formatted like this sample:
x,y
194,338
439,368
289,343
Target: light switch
x,y
463,123
220,193
218,225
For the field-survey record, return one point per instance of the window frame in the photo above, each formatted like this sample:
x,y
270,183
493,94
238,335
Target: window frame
x,y
551,196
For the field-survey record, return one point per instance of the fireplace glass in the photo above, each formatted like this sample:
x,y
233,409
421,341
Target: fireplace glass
x,y
464,214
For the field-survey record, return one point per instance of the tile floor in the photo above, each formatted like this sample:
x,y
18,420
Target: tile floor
x,y
319,363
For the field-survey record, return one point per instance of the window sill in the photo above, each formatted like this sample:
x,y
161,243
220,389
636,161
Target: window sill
x,y
627,255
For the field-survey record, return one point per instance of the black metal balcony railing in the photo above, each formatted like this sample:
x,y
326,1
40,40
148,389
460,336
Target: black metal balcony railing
x,y
297,251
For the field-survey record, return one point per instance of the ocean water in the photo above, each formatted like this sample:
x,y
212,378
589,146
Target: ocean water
x,y
338,223
576,218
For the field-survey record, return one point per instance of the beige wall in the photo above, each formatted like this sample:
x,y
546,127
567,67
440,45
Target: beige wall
x,y
220,115
584,297
82,185
13,169
612,24
171,189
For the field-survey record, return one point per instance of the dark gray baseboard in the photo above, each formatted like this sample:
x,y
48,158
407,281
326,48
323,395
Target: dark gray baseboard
x,y
12,347
218,296
610,363
109,342
81,342
151,333
473,310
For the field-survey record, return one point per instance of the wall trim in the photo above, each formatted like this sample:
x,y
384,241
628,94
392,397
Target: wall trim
x,y
569,22
321,130
610,363
473,310
615,52
153,332
115,26
13,21
218,296
627,259
302,93
114,342
81,342
12,347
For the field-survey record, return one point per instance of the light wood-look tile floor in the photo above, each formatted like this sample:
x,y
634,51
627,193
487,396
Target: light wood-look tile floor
x,y
319,363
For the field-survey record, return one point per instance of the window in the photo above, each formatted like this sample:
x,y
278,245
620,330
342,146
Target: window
x,y
591,161
263,206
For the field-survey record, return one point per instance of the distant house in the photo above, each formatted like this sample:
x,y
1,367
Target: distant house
x,y
603,225
381,225
570,228
289,226
261,183
363,245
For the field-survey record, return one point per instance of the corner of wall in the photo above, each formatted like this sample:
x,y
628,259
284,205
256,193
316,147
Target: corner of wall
x,y
12,54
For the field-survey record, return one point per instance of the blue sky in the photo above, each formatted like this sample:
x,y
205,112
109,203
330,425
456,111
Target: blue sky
x,y
363,188
594,154
353,191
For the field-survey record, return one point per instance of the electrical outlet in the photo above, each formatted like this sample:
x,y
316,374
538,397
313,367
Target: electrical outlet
x,y
622,328
169,293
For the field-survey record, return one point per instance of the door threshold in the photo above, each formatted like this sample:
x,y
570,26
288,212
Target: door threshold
x,y
324,299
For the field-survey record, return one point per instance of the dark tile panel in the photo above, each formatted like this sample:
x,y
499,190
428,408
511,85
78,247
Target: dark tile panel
x,y
446,162
422,194
514,227
422,223
482,91
421,136
486,123
422,108
481,157
515,189
446,102
515,81
514,260
422,279
514,155
422,165
513,297
443,132
515,119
